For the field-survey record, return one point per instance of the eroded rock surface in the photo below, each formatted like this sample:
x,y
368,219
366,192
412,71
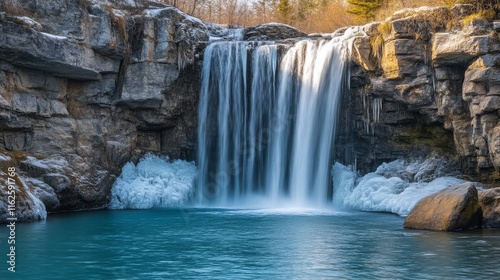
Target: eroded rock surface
x,y
79,98
425,81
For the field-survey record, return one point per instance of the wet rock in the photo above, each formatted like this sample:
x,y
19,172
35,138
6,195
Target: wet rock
x,y
453,208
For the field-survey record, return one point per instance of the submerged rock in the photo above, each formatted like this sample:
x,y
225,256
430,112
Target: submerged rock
x,y
453,208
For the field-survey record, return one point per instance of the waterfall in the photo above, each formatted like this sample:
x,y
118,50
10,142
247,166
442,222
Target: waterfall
x,y
267,119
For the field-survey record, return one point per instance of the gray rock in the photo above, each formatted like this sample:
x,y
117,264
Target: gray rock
x,y
45,193
53,54
489,200
107,35
57,181
43,108
487,104
496,25
34,167
462,132
487,74
99,92
145,83
453,49
29,208
62,96
271,31
494,146
58,109
24,103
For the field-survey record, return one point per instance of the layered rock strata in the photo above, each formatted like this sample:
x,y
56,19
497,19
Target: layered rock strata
x,y
86,88
426,81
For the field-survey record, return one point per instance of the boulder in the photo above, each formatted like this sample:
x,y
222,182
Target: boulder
x,y
489,200
453,208
271,31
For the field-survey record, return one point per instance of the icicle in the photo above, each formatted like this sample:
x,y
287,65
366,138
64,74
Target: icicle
x,y
376,109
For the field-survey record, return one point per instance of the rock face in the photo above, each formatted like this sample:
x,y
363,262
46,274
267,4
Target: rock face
x,y
453,208
80,97
271,31
425,81
490,203
92,84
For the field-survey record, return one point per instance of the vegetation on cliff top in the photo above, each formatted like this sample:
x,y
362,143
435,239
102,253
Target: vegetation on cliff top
x,y
310,15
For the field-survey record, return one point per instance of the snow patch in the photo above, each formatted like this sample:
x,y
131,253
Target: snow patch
x,y
29,22
5,157
57,37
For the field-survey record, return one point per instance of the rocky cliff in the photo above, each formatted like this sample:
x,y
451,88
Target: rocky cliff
x,y
426,81
86,87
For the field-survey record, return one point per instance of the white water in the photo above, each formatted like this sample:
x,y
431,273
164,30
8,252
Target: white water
x,y
153,182
267,121
394,187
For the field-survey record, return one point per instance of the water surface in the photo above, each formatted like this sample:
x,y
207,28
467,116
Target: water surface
x,y
246,244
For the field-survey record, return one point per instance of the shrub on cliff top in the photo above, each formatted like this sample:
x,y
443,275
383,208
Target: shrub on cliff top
x,y
488,15
364,9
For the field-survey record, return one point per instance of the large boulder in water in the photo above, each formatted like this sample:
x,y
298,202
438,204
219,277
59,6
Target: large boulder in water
x,y
450,209
489,200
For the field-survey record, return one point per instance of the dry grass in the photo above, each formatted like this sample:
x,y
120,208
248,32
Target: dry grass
x,y
14,8
377,48
385,28
327,19
488,15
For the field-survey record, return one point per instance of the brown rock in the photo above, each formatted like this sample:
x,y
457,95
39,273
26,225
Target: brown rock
x,y
489,200
450,209
402,57
361,53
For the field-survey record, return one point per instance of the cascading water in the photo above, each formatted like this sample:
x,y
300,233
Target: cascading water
x,y
267,120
